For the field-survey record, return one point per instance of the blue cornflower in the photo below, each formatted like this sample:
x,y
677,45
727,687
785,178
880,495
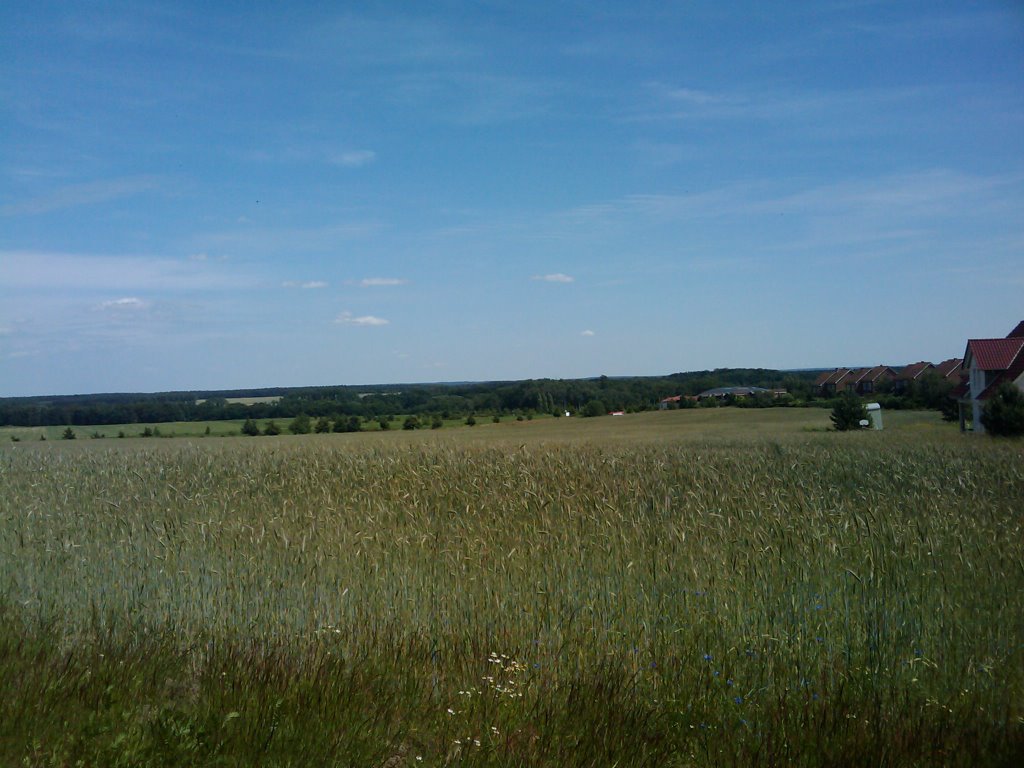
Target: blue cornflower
x,y
738,700
708,657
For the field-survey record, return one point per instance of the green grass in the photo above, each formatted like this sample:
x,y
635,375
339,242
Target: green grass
x,y
222,428
707,587
719,422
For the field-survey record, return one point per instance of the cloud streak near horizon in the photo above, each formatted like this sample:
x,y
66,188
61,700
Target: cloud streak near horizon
x,y
366,321
557,277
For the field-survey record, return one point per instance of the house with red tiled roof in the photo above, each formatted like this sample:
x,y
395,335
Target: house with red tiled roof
x,y
952,369
865,381
674,401
989,364
830,383
909,374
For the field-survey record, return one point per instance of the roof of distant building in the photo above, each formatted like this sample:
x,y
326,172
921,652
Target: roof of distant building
x,y
994,354
833,377
869,374
1005,357
739,391
913,371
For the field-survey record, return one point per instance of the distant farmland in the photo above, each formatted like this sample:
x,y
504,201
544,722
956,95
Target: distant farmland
x,y
248,400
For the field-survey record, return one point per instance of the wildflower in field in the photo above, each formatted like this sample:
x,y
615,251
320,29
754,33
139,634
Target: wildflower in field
x,y
708,657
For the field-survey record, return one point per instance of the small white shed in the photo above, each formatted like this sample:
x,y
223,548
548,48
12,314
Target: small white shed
x,y
874,416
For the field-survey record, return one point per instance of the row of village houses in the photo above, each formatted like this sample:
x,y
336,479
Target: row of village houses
x,y
867,381
863,381
987,364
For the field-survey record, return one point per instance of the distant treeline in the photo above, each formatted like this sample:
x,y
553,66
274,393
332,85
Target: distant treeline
x,y
446,400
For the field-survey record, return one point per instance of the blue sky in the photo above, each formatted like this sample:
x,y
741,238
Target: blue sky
x,y
227,195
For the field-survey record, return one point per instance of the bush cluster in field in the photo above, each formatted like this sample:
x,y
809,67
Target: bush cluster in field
x,y
808,601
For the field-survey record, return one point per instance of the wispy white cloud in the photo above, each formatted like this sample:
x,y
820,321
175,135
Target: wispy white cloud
x,y
127,303
373,282
587,332
74,195
893,198
354,158
422,65
694,96
934,192
557,277
394,40
309,284
347,318
987,24
309,154
669,102
44,271
474,97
